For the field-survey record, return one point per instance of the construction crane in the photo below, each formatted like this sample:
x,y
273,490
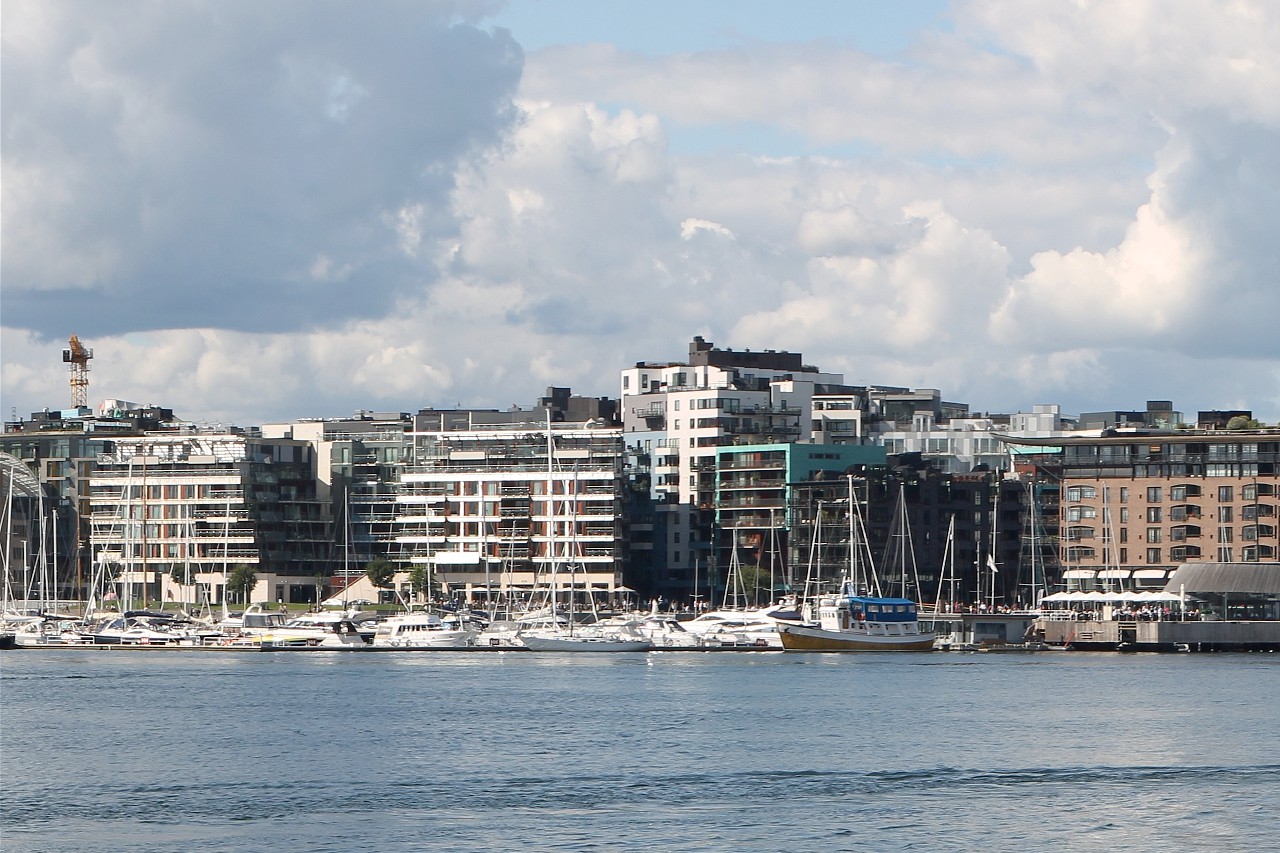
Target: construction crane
x,y
78,357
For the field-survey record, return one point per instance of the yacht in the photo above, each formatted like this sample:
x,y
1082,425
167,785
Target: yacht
x,y
422,630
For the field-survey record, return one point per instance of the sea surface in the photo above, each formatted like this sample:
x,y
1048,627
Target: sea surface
x,y
676,751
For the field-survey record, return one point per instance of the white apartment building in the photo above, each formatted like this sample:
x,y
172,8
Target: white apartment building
x,y
958,445
679,413
505,511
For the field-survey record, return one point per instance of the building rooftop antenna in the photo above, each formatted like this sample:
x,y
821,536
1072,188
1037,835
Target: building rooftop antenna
x,y
77,356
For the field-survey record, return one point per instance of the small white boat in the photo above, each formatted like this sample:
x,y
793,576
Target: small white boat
x,y
585,640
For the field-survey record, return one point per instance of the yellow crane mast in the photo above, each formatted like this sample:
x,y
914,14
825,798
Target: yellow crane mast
x,y
78,358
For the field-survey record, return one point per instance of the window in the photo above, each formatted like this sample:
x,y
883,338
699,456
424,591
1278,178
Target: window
x,y
1081,493
1153,494
1153,555
1124,515
1153,534
1224,554
1226,514
1124,494
1224,493
1153,515
676,424
1124,534
1226,534
1249,492
626,382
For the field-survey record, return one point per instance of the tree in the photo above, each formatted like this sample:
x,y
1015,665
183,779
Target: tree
x,y
755,580
242,580
322,579
420,580
381,572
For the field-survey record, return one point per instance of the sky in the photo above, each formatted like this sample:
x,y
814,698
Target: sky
x,y
257,212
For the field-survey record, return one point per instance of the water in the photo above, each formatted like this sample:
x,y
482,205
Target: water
x,y
189,750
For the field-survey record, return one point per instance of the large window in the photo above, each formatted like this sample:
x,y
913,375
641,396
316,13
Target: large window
x,y
1153,494
1153,556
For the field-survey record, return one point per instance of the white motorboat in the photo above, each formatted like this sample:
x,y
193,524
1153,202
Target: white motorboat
x,y
748,627
137,630
586,638
422,630
49,632
308,634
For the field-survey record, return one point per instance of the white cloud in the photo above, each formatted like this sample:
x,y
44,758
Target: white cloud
x,y
1053,203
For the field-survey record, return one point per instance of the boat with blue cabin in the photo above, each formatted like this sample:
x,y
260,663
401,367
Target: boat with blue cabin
x,y
859,623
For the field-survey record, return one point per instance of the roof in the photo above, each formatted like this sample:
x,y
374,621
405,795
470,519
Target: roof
x,y
1248,578
14,471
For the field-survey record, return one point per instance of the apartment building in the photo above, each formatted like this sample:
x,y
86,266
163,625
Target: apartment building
x,y
506,511
1137,503
60,448
755,505
172,513
678,414
358,465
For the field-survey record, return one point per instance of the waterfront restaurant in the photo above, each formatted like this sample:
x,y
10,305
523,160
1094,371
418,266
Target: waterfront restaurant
x,y
1229,592
1204,607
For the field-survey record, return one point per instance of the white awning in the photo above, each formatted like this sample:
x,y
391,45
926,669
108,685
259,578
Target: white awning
x,y
1151,573
1114,573
457,558
1080,574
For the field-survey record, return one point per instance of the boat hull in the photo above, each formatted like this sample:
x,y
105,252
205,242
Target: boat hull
x,y
804,638
583,644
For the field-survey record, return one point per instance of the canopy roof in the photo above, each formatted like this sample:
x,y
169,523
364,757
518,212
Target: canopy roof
x,y
1098,597
1247,578
14,471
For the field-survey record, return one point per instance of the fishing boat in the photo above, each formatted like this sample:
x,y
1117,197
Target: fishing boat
x,y
859,618
859,623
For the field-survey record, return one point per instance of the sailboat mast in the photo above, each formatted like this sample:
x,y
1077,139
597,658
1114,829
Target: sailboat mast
x,y
551,516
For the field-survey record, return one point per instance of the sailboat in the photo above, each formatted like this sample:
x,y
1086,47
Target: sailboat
x,y
858,618
561,634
